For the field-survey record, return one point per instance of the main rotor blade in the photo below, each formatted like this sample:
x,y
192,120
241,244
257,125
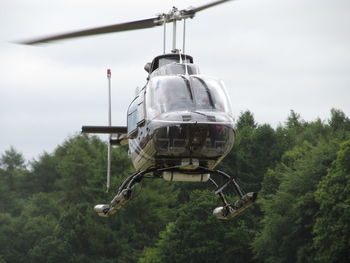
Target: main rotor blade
x,y
134,25
202,7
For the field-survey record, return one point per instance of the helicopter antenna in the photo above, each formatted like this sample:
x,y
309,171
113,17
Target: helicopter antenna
x,y
184,37
109,74
186,65
164,34
175,12
183,45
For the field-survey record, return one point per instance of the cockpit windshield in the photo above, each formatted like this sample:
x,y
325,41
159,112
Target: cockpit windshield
x,y
185,93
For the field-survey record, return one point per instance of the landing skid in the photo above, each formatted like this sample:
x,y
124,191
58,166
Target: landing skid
x,y
227,211
122,197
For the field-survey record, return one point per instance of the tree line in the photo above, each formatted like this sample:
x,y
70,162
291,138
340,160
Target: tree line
x,y
300,169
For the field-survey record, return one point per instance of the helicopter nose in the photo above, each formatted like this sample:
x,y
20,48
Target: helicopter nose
x,y
202,140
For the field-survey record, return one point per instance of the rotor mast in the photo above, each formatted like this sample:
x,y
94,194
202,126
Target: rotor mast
x,y
173,16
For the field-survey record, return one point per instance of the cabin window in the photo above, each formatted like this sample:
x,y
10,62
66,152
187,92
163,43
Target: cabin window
x,y
141,108
133,116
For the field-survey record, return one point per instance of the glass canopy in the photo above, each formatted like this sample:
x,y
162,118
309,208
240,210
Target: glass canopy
x,y
185,93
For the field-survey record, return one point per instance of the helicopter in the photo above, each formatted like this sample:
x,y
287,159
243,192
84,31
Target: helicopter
x,y
179,125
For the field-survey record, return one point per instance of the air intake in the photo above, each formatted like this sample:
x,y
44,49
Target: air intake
x,y
186,117
211,118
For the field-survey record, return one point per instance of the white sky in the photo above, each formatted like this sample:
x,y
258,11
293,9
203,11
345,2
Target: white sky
x,y
273,55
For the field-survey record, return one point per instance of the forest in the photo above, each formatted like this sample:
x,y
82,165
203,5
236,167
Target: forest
x,y
300,169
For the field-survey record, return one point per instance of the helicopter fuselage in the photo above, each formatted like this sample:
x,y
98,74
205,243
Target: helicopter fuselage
x,y
180,119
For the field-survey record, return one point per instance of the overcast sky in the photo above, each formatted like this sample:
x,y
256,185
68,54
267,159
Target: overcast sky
x,y
273,55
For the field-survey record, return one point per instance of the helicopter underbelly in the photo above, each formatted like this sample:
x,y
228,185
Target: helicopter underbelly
x,y
178,144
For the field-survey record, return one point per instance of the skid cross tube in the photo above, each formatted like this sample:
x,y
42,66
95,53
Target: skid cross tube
x,y
228,211
224,185
220,188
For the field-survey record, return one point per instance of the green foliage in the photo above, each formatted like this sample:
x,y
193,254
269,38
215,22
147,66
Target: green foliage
x,y
301,171
289,211
44,173
196,236
54,218
246,120
339,121
12,160
257,147
288,194
332,229
13,174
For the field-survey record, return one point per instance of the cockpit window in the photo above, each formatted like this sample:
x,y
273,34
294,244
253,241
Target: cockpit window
x,y
166,94
176,69
210,95
204,99
168,60
185,93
